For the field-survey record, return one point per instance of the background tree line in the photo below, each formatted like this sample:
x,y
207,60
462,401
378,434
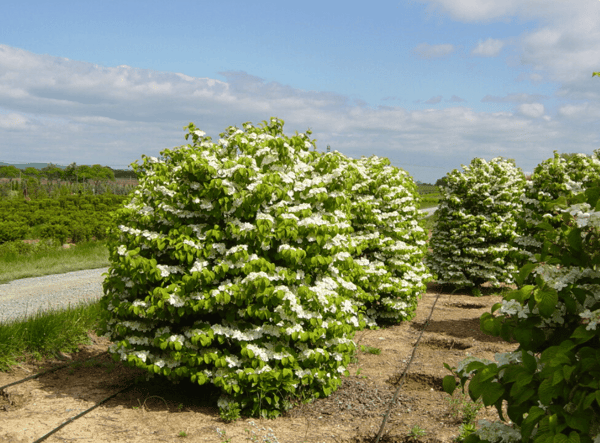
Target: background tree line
x,y
72,173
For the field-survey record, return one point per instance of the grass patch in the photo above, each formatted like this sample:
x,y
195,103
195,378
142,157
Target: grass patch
x,y
428,204
46,260
430,221
370,350
46,333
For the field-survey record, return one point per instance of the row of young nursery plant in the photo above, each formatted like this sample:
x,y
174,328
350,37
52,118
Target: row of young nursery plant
x,y
33,188
543,236
250,263
76,217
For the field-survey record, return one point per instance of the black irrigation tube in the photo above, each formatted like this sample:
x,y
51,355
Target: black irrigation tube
x,y
401,381
31,377
44,437
39,374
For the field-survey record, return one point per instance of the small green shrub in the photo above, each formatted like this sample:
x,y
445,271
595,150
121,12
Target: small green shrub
x,y
416,432
12,230
370,350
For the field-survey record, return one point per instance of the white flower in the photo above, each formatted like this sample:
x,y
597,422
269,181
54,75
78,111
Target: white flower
x,y
199,265
592,316
142,355
176,300
497,432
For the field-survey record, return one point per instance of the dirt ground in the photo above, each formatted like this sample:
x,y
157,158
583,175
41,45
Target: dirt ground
x,y
158,411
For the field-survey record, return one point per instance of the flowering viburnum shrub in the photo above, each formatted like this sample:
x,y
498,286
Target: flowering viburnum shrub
x,y
476,222
551,384
233,264
384,211
555,178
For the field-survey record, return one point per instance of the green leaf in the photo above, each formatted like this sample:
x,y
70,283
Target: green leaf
x,y
492,393
546,300
588,400
560,438
490,324
579,421
534,416
547,391
474,366
583,334
567,371
524,273
523,395
449,384
521,295
523,379
575,240
529,362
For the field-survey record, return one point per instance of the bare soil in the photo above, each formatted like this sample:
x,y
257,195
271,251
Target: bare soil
x,y
158,411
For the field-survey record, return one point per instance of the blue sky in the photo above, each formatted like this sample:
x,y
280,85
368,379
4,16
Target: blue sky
x,y
430,84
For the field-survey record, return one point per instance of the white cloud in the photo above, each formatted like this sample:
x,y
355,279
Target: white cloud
x,y
13,120
489,48
514,98
533,110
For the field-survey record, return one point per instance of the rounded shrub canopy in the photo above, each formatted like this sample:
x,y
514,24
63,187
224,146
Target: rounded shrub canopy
x,y
384,211
476,223
560,177
233,264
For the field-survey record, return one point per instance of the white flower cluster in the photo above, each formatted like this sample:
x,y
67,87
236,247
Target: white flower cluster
x,y
176,300
497,432
166,270
593,318
560,278
513,307
253,334
584,216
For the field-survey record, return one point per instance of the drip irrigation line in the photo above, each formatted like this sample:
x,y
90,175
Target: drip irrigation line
x,y
44,437
401,381
39,374
31,377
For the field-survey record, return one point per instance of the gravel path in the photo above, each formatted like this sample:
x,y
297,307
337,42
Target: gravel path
x,y
429,211
29,295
